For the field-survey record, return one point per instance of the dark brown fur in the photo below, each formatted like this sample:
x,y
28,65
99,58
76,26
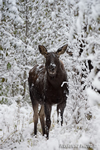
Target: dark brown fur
x,y
48,86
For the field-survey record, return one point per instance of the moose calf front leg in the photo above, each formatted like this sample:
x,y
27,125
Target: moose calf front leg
x,y
48,120
41,114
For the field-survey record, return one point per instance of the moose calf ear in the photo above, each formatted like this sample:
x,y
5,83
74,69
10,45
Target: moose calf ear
x,y
62,49
42,50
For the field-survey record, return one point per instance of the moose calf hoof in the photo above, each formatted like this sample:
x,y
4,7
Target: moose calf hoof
x,y
35,136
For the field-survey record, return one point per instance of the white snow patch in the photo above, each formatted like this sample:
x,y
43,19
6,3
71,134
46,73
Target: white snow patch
x,y
96,82
93,97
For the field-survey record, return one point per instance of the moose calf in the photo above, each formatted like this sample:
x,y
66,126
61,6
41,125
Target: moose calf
x,y
48,86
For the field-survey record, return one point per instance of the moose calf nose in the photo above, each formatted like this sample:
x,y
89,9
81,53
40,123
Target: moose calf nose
x,y
52,67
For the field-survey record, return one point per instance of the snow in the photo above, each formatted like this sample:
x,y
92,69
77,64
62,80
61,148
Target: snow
x,y
16,131
96,82
52,64
93,95
64,83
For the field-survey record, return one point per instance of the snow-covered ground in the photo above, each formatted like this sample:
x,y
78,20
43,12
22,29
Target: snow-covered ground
x,y
16,127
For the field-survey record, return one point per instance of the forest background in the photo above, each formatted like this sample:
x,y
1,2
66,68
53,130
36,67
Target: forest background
x,y
24,24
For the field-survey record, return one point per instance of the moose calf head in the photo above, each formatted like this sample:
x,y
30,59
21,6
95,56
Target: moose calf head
x,y
52,59
48,86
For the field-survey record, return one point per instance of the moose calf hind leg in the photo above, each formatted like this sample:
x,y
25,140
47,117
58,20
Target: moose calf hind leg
x,y
35,118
